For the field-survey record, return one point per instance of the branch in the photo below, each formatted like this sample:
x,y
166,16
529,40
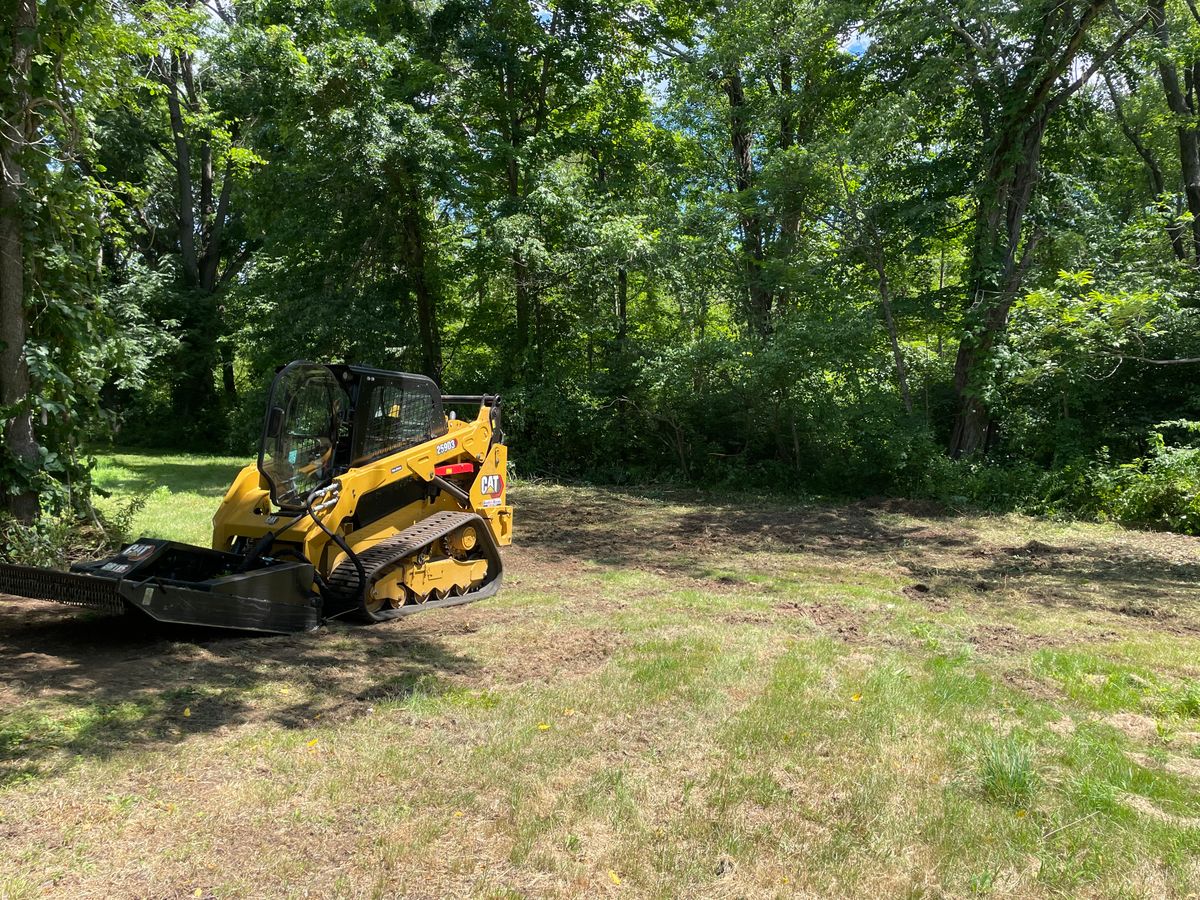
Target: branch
x,y
1185,361
1195,14
236,264
220,11
1097,62
1042,94
155,145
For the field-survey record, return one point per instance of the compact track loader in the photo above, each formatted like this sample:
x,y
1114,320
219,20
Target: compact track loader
x,y
366,501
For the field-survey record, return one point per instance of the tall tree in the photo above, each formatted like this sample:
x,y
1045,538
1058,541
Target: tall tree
x,y
203,158
18,132
1018,65
764,84
1184,103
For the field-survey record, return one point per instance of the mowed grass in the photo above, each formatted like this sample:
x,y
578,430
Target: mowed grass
x,y
674,695
180,492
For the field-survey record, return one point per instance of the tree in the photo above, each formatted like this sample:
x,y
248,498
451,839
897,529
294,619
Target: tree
x,y
1018,66
764,86
18,133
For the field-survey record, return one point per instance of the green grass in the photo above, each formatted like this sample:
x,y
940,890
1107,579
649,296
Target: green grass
x,y
673,695
180,491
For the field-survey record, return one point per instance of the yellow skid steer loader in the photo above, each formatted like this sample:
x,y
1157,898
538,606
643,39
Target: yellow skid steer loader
x,y
367,500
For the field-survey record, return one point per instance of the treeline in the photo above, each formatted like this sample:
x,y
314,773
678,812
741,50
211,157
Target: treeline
x,y
939,248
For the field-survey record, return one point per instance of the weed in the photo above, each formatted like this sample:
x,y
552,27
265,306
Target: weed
x,y
1006,770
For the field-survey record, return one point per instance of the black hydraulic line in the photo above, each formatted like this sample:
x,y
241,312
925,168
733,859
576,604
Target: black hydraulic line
x,y
345,548
263,544
453,490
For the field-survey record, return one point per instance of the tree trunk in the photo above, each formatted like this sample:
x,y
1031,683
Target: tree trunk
x,y
999,259
228,382
1014,121
758,298
183,177
787,130
1185,114
885,300
15,133
423,283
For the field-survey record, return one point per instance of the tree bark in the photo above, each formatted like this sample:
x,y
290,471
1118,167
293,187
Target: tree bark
x,y
512,172
998,262
1182,108
15,134
1014,123
422,281
757,307
787,129
183,177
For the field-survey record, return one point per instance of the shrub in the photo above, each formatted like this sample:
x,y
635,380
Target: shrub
x,y
55,541
1158,490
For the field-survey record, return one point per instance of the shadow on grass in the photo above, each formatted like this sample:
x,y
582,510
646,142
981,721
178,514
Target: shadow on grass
x,y
1159,592
631,528
91,686
639,530
137,475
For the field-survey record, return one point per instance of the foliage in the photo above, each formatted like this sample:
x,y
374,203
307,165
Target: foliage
x,y
768,245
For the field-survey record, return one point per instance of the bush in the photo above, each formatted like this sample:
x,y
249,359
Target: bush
x,y
55,541
1159,490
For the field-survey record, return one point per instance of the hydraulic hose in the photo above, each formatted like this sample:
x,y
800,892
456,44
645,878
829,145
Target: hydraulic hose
x,y
342,545
263,544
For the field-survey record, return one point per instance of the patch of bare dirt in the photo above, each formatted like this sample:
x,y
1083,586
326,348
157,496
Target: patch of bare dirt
x,y
1022,680
1033,549
1137,609
918,509
922,593
551,656
1064,727
832,619
1001,639
749,617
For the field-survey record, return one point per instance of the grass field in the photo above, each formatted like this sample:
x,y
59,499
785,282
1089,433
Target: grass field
x,y
673,696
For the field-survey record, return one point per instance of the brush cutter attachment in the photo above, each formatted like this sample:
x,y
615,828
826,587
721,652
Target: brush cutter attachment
x,y
181,584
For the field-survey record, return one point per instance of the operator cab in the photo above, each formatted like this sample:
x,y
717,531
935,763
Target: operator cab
x,y
323,420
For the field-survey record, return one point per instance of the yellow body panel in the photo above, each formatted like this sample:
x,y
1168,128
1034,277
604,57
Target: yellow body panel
x,y
246,510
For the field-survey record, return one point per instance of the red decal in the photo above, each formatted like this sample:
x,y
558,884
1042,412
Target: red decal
x,y
455,469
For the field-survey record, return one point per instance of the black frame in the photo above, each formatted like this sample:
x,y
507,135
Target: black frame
x,y
354,381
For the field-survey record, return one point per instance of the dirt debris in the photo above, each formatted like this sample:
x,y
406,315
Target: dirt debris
x,y
832,619
1007,639
1185,766
1064,727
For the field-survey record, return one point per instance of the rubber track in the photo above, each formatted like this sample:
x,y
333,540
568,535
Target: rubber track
x,y
377,560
